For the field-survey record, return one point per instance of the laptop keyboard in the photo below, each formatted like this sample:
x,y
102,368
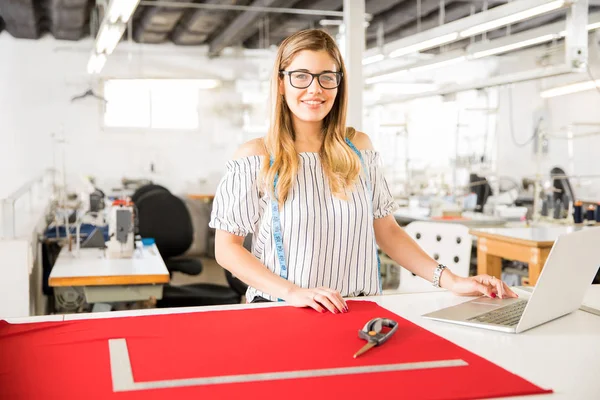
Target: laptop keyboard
x,y
508,316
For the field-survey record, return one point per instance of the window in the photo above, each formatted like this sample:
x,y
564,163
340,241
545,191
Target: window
x,y
154,103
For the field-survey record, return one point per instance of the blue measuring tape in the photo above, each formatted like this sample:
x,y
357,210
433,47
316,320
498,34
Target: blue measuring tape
x,y
276,220
276,224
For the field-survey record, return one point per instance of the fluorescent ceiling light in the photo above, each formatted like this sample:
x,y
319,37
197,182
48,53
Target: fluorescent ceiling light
x,y
590,27
509,19
439,64
527,38
372,59
444,60
572,88
331,22
477,23
514,46
386,77
108,38
407,88
121,10
170,83
96,63
424,45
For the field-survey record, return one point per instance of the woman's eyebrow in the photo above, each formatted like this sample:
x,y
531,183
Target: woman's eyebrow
x,y
306,70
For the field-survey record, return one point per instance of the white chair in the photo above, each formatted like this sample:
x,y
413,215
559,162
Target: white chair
x,y
448,243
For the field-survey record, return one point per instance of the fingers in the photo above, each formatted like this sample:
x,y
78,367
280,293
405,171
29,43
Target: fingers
x,y
316,306
495,286
485,289
324,300
336,298
498,285
330,300
509,292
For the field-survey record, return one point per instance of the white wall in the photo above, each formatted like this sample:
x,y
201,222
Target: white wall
x,y
562,111
432,122
40,77
27,108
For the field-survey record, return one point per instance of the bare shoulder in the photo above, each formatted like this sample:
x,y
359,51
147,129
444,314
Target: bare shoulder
x,y
361,141
254,147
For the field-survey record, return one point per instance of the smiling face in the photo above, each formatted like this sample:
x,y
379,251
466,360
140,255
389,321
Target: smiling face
x,y
311,104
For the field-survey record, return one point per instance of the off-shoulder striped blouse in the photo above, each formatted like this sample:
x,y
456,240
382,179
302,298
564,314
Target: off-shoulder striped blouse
x,y
327,241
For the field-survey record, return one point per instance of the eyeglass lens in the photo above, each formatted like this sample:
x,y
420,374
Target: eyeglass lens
x,y
302,80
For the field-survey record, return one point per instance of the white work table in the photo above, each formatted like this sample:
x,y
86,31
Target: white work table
x,y
109,280
562,355
91,267
406,215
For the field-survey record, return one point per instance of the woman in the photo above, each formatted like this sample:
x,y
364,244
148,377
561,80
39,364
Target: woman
x,y
314,198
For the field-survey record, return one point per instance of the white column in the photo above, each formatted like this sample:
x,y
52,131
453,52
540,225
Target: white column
x,y
576,41
354,44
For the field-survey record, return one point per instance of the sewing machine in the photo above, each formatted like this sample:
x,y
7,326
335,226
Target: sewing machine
x,y
120,230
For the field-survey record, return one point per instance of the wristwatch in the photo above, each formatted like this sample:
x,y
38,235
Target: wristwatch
x,y
436,275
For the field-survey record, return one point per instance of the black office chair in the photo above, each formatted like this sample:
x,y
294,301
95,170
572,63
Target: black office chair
x,y
481,188
166,218
562,185
143,190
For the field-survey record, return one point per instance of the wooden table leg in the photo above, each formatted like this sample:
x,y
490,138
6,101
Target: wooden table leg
x,y
487,263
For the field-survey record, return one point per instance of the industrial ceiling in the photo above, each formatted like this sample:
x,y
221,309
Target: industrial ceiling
x,y
217,28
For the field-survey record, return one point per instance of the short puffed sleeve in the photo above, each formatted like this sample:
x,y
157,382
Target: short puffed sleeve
x,y
236,204
383,201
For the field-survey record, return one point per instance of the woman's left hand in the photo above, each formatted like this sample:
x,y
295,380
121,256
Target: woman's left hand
x,y
481,284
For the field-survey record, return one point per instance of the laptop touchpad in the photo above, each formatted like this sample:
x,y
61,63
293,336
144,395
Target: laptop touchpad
x,y
470,308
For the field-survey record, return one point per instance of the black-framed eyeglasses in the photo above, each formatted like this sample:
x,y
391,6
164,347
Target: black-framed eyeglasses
x,y
303,79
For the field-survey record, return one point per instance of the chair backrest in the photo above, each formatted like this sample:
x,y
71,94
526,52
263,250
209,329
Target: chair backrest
x,y
141,191
560,182
166,218
482,190
448,243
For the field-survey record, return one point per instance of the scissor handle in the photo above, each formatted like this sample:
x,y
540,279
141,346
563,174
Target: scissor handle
x,y
372,330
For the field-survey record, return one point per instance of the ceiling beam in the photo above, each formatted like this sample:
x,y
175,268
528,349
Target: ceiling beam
x,y
21,18
464,11
242,26
375,7
406,13
403,14
455,11
283,25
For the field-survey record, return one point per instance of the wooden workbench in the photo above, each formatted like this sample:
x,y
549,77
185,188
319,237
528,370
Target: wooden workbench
x,y
531,245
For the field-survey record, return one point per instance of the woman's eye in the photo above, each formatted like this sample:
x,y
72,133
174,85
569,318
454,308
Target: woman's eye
x,y
301,76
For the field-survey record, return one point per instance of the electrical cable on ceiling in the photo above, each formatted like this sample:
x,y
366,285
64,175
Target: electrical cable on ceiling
x,y
511,123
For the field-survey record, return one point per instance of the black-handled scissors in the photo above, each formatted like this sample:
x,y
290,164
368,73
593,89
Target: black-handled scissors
x,y
372,333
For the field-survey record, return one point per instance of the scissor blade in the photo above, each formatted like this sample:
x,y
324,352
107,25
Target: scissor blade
x,y
365,348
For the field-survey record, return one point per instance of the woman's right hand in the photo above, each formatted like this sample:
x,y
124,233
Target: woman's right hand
x,y
320,298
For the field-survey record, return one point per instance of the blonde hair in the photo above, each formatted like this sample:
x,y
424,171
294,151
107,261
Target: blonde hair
x,y
340,164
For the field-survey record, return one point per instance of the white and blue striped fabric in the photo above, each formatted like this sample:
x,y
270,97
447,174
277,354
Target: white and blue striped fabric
x,y
327,241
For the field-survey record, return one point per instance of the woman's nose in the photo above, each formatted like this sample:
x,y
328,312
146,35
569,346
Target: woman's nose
x,y
315,87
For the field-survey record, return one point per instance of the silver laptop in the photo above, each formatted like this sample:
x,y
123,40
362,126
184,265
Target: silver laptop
x,y
569,270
